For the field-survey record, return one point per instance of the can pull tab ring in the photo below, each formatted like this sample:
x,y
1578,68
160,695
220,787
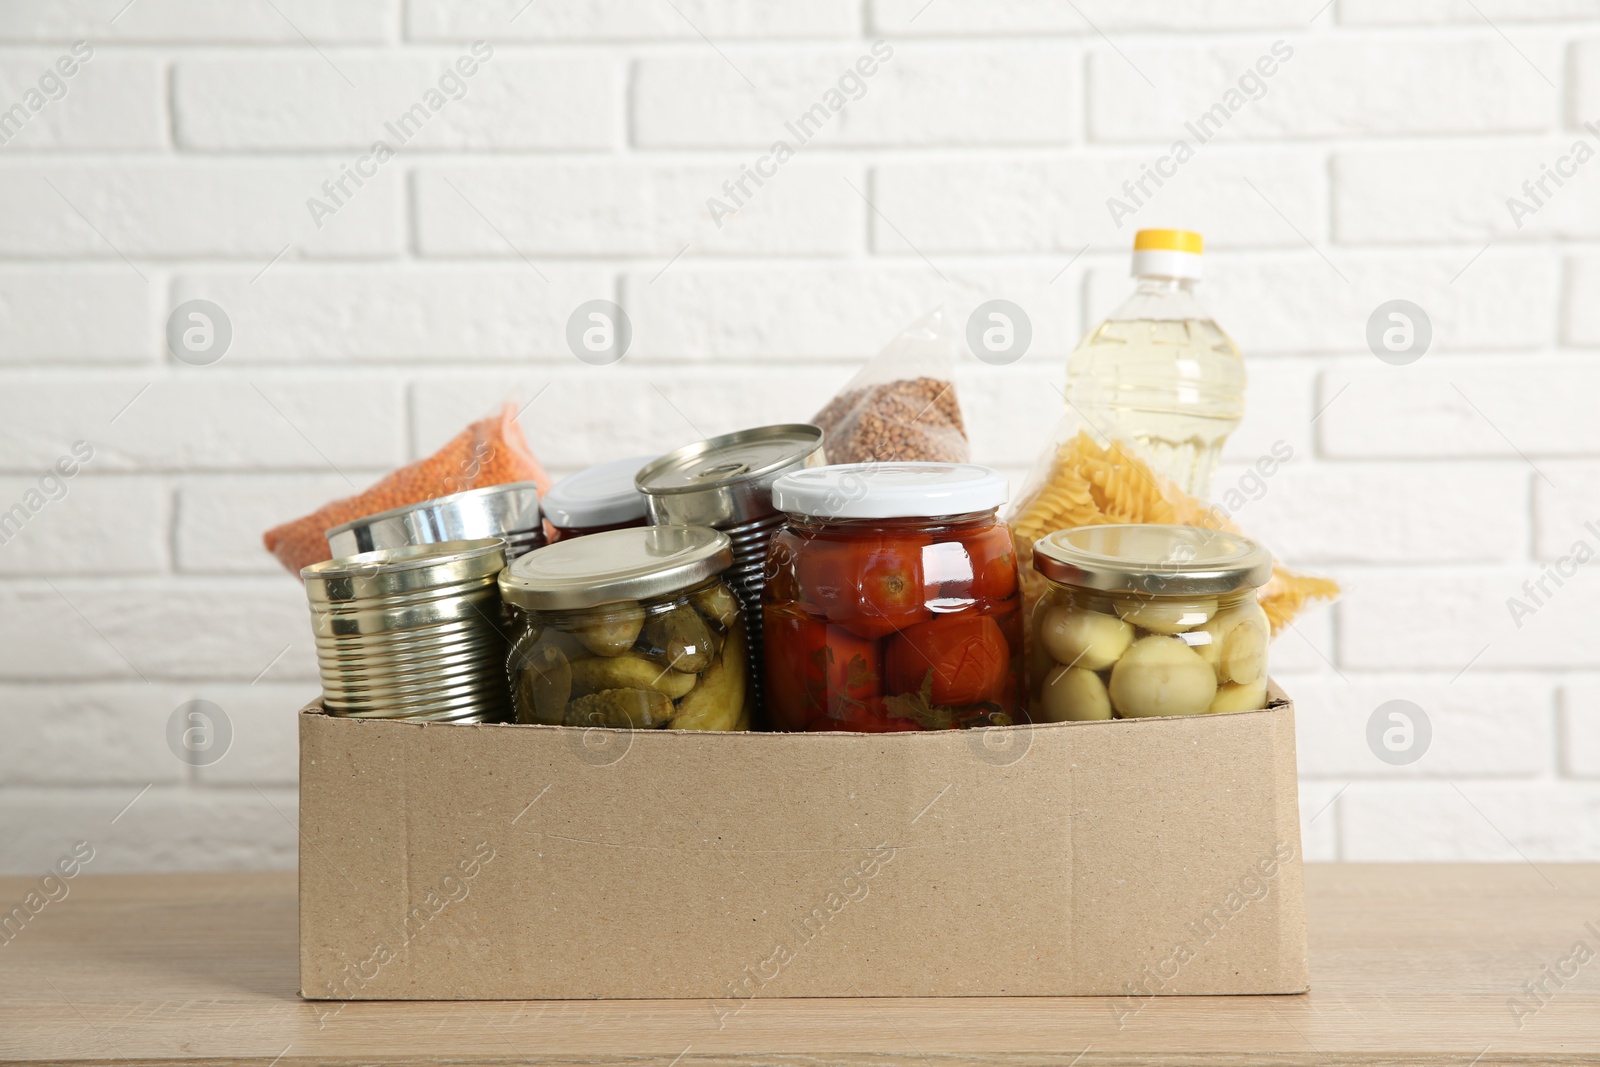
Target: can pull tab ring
x,y
722,470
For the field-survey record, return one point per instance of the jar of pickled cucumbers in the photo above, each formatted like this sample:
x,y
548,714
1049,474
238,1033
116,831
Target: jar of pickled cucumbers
x,y
891,600
631,628
1147,620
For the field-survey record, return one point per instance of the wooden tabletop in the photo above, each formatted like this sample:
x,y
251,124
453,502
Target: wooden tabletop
x,y
1409,965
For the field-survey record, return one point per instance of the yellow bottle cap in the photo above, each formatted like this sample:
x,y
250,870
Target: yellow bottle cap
x,y
1168,241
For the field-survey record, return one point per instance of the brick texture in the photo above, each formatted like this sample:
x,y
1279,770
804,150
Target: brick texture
x,y
627,150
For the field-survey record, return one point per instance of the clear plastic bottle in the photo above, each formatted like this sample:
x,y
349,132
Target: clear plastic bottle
x,y
1159,371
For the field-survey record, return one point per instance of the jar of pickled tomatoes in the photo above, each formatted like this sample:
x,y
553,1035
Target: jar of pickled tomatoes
x,y
1148,620
891,600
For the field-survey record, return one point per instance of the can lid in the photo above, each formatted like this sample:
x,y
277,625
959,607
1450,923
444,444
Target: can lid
x,y
889,490
392,571
597,496
489,511
1152,558
726,481
1168,254
744,456
603,568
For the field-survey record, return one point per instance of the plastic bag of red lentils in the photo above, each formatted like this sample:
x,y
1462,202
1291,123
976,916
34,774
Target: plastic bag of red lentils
x,y
489,452
902,405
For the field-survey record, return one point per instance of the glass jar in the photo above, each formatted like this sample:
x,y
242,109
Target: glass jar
x,y
892,600
1147,620
596,499
630,628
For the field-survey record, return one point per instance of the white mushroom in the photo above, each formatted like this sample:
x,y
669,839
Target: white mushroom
x,y
1250,697
1238,644
1165,616
1161,676
1087,639
1072,694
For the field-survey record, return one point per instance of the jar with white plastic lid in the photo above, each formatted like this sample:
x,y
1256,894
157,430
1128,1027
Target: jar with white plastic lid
x,y
892,601
1146,620
596,499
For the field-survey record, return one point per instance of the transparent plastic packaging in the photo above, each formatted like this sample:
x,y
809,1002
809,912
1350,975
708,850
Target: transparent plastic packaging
x,y
902,405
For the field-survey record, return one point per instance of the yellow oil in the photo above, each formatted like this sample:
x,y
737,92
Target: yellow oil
x,y
1174,385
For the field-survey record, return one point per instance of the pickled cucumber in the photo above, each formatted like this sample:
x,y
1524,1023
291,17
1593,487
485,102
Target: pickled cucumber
x,y
628,671
615,633
683,637
544,685
717,603
640,709
718,701
524,645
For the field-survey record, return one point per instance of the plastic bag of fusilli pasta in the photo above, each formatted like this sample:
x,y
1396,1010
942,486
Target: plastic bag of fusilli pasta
x,y
1086,479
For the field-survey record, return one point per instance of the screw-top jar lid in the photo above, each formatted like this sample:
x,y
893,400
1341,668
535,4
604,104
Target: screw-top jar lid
x,y
602,495
889,490
1152,558
490,511
728,479
603,568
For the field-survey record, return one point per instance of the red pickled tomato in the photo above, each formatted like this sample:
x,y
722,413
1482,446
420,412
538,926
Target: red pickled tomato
x,y
965,657
816,672
871,586
780,583
994,563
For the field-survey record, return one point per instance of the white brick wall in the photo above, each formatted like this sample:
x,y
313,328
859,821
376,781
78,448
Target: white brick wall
x,y
574,162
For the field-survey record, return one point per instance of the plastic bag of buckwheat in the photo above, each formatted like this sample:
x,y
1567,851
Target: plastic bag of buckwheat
x,y
902,404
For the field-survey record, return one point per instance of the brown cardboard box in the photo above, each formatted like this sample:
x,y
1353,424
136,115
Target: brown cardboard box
x,y
1126,858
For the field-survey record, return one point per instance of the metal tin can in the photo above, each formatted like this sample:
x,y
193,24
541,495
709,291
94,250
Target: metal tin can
x,y
726,483
1148,620
412,633
632,629
596,499
509,511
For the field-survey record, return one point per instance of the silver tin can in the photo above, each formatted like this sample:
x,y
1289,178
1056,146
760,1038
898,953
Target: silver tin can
x,y
726,483
416,632
509,511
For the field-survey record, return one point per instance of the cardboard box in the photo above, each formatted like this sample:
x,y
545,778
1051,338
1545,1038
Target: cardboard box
x,y
1128,858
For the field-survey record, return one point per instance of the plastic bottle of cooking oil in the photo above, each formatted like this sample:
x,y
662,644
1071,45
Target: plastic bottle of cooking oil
x,y
1159,371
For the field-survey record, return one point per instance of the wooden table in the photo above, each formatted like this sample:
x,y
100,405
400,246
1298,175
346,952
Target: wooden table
x,y
1410,965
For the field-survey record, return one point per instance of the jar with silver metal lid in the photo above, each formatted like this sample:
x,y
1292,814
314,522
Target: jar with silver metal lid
x,y
596,499
726,483
509,511
1148,620
412,633
629,628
